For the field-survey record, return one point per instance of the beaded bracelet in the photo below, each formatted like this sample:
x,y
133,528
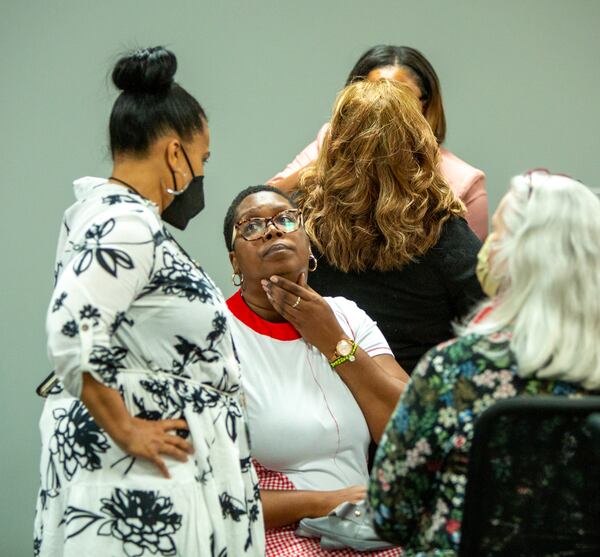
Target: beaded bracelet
x,y
349,358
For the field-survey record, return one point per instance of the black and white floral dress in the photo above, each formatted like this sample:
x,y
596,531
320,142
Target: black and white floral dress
x,y
132,309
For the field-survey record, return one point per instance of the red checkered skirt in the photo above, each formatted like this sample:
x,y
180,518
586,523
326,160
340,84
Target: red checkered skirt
x,y
283,542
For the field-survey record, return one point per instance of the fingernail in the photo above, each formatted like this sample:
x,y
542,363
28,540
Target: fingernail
x,y
274,279
264,282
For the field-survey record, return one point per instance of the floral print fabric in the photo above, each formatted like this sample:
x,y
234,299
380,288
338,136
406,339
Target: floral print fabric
x,y
131,308
419,476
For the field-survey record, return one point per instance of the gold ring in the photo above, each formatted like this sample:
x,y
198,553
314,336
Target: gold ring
x,y
297,302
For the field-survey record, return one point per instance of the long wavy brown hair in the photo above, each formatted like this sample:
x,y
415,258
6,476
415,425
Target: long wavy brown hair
x,y
374,199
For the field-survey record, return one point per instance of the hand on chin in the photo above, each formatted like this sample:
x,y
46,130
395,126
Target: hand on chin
x,y
287,273
286,266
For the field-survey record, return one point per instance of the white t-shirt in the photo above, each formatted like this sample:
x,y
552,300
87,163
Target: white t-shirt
x,y
304,421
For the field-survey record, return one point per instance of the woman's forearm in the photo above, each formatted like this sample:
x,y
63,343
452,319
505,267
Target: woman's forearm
x,y
281,508
106,407
376,383
148,439
375,388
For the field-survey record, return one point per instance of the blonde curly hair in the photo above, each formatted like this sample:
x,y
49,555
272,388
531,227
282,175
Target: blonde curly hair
x,y
374,199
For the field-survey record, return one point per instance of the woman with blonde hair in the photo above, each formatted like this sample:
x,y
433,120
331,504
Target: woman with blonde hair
x,y
539,336
409,66
388,229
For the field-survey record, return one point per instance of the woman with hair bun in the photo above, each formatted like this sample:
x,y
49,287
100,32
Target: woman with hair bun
x,y
407,65
144,442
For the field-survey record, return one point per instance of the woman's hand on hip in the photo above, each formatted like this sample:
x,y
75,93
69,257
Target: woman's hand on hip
x,y
152,439
147,439
306,310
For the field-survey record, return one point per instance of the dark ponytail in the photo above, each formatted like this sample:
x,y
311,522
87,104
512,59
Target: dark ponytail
x,y
151,103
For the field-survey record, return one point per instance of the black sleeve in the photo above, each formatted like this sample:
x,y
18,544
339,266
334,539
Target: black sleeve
x,y
457,259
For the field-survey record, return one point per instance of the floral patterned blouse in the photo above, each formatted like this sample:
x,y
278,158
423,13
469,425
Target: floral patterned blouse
x,y
419,477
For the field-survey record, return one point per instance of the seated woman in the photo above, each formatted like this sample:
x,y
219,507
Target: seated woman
x,y
319,377
539,336
386,225
407,65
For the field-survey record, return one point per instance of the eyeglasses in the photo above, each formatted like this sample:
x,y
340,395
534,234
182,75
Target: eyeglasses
x,y
545,172
255,228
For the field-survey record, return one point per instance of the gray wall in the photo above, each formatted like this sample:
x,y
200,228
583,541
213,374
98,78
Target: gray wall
x,y
520,81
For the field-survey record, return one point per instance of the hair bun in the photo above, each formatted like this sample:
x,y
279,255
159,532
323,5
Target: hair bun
x,y
147,70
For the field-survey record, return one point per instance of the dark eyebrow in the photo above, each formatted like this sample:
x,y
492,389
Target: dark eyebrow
x,y
248,213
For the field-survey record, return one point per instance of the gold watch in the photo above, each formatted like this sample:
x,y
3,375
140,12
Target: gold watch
x,y
345,350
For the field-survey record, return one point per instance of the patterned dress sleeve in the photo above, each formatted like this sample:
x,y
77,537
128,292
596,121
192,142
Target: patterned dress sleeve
x,y
411,453
105,265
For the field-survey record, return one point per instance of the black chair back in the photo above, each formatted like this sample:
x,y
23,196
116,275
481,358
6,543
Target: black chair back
x,y
533,483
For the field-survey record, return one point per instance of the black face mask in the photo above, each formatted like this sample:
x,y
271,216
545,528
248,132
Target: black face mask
x,y
187,203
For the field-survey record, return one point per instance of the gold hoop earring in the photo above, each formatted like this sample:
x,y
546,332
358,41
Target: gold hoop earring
x,y
240,279
312,258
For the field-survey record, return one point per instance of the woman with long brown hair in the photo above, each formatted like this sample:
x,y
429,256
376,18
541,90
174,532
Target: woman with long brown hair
x,y
408,65
389,230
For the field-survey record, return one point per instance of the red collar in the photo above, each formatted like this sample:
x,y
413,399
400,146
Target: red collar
x,y
279,331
